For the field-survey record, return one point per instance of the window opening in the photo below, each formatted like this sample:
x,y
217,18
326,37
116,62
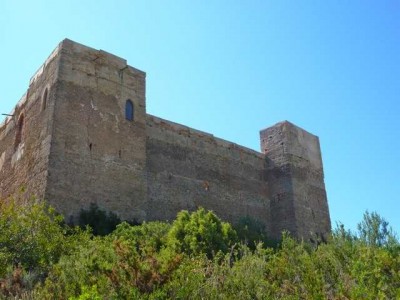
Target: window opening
x,y
129,110
44,99
20,127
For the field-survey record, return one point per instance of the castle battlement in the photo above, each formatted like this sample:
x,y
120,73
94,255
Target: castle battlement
x,y
81,135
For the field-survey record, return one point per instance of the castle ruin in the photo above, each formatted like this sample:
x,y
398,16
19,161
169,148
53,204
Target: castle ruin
x,y
81,135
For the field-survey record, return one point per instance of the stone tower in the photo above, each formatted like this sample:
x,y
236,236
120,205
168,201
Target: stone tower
x,y
70,127
88,138
296,181
81,135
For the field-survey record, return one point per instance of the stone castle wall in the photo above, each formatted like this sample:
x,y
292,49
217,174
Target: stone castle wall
x,y
188,168
81,149
295,177
96,155
25,136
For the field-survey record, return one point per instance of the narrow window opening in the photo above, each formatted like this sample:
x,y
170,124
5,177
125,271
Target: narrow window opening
x,y
90,146
129,110
20,127
44,99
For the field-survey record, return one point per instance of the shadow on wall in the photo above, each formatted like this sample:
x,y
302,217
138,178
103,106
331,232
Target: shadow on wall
x,y
100,221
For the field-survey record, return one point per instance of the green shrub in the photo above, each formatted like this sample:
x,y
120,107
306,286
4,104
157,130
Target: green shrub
x,y
197,257
251,231
375,231
101,222
200,232
129,263
32,238
31,234
91,264
88,294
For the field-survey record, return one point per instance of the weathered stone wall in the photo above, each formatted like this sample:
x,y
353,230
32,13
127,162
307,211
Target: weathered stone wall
x,y
188,168
296,181
97,156
79,149
24,163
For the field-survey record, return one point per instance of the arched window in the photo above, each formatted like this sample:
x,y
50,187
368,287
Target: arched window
x,y
44,99
20,127
129,110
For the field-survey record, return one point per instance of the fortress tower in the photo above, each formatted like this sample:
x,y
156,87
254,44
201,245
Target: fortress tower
x,y
81,135
296,180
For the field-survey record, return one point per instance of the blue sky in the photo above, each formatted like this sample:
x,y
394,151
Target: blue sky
x,y
232,68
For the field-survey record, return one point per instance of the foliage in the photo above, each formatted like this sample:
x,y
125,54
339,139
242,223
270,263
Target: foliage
x,y
200,232
375,231
196,257
149,237
32,238
88,294
252,231
30,234
236,275
101,222
129,262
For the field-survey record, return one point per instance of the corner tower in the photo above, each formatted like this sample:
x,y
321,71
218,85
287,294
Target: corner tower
x,y
98,147
296,181
25,136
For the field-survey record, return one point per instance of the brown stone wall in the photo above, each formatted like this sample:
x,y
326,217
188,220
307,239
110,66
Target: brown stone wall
x,y
25,137
188,168
81,149
296,181
97,156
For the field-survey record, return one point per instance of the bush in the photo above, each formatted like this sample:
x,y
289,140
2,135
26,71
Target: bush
x,y
375,231
129,263
101,222
200,232
32,238
149,237
197,257
32,235
251,231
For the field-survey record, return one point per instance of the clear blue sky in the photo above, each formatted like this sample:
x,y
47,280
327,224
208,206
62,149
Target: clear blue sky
x,y
232,68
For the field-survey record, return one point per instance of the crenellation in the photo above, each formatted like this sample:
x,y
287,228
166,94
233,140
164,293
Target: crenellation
x,y
93,142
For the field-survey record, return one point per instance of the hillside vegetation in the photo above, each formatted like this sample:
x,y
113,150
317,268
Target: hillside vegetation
x,y
197,256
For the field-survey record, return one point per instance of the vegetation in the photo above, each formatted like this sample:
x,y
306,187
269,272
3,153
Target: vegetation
x,y
196,257
100,221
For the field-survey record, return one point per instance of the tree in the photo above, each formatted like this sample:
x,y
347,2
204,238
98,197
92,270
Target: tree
x,y
375,231
101,222
200,232
32,235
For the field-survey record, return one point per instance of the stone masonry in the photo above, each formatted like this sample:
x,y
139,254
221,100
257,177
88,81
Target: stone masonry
x,y
81,135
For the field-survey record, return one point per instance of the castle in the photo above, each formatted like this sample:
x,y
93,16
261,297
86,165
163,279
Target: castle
x,y
81,135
